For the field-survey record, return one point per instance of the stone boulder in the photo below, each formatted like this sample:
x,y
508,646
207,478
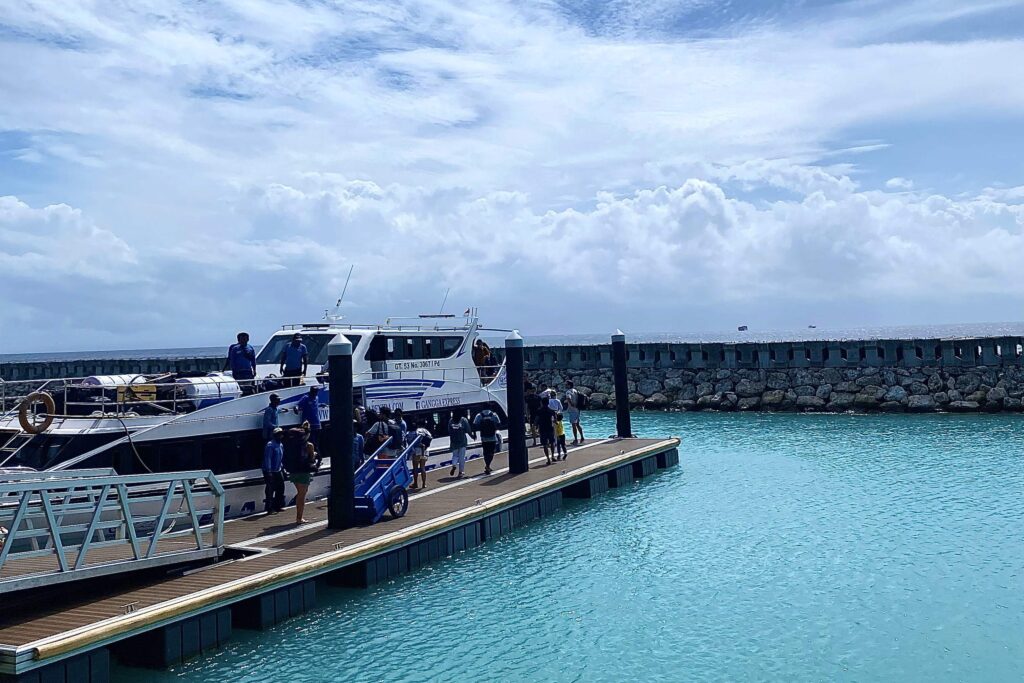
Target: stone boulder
x,y
687,393
1012,404
723,374
751,402
841,401
824,391
674,383
935,382
919,389
705,389
709,402
598,400
896,393
805,390
968,384
648,387
750,388
777,380
773,398
831,376
636,399
941,397
810,403
964,406
892,407
996,395
846,387
921,404
724,386
656,401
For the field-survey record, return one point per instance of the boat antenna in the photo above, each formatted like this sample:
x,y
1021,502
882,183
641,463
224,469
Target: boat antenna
x,y
337,306
445,300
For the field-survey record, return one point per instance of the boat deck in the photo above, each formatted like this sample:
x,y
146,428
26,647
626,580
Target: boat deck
x,y
278,553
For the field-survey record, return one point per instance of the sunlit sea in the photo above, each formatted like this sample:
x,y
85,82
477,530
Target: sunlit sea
x,y
784,547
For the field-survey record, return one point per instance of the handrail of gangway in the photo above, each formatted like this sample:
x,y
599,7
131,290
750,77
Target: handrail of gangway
x,y
68,516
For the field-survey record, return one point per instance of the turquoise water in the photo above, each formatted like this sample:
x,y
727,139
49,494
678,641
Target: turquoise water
x,y
785,547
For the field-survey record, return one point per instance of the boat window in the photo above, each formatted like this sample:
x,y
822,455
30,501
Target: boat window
x,y
316,346
450,345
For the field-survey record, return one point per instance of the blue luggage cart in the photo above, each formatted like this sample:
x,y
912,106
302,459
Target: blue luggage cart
x,y
381,485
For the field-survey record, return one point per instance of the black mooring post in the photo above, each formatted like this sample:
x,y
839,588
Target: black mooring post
x,y
518,460
341,503
622,423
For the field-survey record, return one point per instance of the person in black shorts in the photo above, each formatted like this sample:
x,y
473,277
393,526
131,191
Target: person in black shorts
x,y
532,405
546,429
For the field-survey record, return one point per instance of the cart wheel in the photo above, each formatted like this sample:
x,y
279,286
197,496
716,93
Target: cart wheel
x,y
398,502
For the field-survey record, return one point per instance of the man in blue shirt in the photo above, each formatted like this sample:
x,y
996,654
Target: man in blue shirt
x,y
273,473
309,408
270,417
241,361
294,360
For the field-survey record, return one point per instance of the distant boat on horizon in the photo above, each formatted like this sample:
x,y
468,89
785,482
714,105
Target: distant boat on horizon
x,y
812,327
742,328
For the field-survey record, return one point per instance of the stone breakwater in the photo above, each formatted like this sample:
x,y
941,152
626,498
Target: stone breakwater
x,y
922,389
893,375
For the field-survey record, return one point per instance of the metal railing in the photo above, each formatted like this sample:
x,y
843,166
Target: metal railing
x,y
95,522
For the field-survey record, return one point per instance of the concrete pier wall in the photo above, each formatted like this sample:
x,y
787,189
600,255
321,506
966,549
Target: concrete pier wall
x,y
894,375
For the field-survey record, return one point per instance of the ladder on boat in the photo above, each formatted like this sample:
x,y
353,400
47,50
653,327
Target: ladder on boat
x,y
13,445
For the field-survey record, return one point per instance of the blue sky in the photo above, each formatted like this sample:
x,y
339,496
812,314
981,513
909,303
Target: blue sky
x,y
172,172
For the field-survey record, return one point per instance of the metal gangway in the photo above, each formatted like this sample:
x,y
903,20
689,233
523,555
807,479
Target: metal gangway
x,y
61,526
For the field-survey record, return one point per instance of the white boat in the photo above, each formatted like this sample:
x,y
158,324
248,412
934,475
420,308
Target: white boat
x,y
177,421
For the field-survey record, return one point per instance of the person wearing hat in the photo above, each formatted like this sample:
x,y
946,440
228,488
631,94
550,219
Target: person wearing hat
x,y
270,417
294,360
273,473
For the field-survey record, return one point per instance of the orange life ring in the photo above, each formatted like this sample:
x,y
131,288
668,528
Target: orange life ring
x,y
23,414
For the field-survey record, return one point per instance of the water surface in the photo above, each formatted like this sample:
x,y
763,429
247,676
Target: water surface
x,y
785,547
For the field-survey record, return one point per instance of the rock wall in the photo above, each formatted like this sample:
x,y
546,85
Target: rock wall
x,y
922,389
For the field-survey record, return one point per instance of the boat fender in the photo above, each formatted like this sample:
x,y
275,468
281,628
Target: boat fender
x,y
30,400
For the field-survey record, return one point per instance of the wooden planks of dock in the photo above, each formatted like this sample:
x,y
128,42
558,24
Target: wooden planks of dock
x,y
277,554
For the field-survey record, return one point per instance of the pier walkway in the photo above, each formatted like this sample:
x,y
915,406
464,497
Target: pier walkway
x,y
275,562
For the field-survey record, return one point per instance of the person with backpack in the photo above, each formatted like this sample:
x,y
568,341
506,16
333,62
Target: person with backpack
x,y
379,434
459,431
575,401
419,452
486,423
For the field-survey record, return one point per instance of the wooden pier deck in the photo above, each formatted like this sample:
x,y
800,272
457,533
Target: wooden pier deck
x,y
279,558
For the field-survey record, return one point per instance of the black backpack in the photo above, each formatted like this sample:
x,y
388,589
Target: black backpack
x,y
425,441
488,424
395,432
579,399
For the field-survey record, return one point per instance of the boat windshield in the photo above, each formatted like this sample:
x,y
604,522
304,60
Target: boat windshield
x,y
316,345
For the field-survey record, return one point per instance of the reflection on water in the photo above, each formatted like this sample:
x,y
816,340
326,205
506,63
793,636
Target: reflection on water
x,y
792,547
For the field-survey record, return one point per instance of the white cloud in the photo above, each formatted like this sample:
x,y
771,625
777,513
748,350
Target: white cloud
x,y
258,148
898,183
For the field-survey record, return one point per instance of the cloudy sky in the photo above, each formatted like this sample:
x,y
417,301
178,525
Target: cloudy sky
x,y
173,171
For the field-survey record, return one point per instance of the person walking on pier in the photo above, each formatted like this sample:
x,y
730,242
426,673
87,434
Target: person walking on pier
x,y
574,403
309,409
273,473
294,360
458,439
271,418
241,361
546,428
301,477
419,453
533,401
486,423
